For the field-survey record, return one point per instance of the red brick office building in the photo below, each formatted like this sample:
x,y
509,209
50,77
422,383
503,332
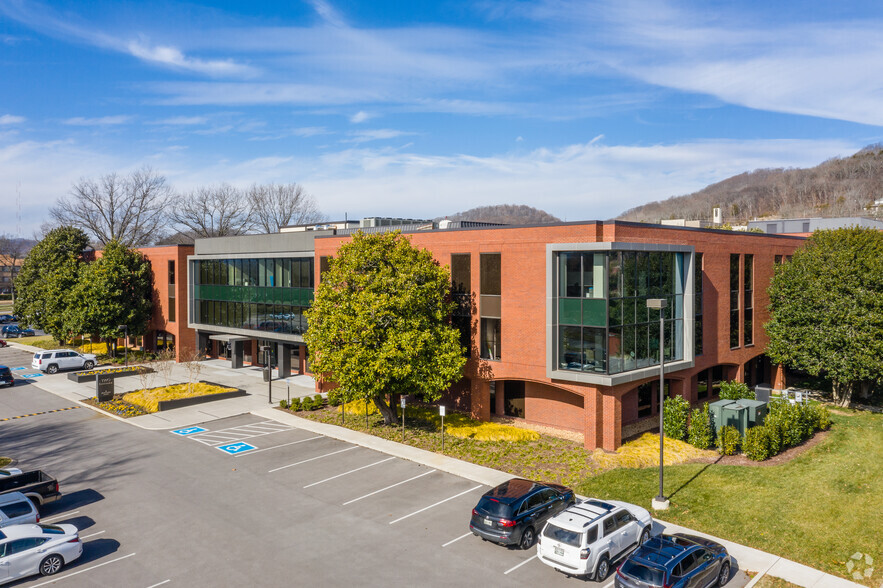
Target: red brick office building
x,y
168,326
559,329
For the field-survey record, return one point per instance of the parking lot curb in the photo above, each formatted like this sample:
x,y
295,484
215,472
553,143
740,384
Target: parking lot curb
x,y
451,465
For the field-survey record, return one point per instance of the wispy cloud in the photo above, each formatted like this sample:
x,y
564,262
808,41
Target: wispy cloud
x,y
10,119
173,57
182,120
361,117
374,135
101,121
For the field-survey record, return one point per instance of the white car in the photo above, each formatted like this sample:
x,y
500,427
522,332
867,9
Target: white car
x,y
62,359
588,537
9,472
26,550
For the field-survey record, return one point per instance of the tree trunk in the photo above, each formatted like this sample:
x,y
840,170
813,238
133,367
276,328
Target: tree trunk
x,y
842,394
390,416
111,347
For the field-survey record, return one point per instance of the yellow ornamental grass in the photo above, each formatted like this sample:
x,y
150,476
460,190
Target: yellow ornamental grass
x,y
96,348
357,407
490,432
149,399
644,452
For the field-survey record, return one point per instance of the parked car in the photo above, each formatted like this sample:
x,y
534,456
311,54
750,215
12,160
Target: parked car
x,y
587,538
38,486
6,376
512,512
675,561
6,318
3,343
16,509
62,359
26,550
9,472
11,331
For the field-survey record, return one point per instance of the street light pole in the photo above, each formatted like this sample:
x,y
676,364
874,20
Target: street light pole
x,y
126,344
269,371
660,304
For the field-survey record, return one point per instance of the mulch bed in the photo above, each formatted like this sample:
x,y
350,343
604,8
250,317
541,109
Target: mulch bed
x,y
783,457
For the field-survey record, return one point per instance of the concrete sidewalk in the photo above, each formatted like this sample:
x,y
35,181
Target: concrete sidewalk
x,y
257,402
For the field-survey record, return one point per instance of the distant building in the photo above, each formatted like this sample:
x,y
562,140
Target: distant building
x,y
8,272
806,226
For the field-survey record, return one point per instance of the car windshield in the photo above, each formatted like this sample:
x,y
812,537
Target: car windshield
x,y
52,530
493,507
563,535
642,572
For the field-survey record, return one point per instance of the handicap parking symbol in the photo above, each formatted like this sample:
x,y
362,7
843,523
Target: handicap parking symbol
x,y
189,431
31,375
19,368
236,448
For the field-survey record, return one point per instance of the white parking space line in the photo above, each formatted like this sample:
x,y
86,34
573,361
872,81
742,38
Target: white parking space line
x,y
90,535
278,446
349,472
159,584
513,568
463,536
240,433
59,516
425,508
59,578
313,458
609,584
387,488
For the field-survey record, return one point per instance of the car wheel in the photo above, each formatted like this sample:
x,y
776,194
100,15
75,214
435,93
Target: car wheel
x,y
51,369
603,569
527,538
645,534
51,564
724,576
88,365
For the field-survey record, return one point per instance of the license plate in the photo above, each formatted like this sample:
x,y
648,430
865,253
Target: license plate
x,y
559,550
489,522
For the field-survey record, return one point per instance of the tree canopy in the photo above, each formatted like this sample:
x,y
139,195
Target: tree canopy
x,y
115,289
48,275
380,322
826,306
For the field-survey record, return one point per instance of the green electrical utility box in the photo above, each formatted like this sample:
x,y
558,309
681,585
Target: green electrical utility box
x,y
716,417
757,411
735,415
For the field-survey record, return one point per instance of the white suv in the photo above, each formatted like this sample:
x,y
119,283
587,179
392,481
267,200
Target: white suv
x,y
62,359
586,538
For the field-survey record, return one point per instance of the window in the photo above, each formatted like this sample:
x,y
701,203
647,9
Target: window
x,y
609,525
172,294
565,536
645,400
513,398
697,288
805,227
686,565
748,300
623,518
461,292
17,509
490,278
734,300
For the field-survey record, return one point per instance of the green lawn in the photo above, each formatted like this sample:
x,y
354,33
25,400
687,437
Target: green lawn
x,y
818,509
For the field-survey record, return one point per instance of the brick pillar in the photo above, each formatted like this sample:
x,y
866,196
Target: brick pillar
x,y
594,411
779,382
612,434
480,400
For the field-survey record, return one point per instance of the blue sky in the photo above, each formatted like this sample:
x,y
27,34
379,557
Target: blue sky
x,y
421,109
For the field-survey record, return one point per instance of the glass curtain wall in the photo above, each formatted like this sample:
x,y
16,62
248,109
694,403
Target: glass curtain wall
x,y
269,294
491,335
604,325
734,300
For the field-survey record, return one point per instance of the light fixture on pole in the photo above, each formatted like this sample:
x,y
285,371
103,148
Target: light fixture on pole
x,y
268,372
660,304
125,328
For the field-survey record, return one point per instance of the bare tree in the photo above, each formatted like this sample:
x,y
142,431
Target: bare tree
x,y
192,358
131,209
274,206
213,211
165,362
12,251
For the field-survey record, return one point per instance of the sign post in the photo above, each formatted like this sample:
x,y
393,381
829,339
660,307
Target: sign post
x,y
403,418
441,412
104,387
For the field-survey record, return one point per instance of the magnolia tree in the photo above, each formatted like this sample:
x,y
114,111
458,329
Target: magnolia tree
x,y
380,323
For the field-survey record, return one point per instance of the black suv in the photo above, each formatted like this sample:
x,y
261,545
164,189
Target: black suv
x,y
513,512
6,376
675,561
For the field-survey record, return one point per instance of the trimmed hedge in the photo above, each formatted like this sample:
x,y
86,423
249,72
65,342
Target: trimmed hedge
x,y
756,445
674,417
728,440
700,434
785,426
735,391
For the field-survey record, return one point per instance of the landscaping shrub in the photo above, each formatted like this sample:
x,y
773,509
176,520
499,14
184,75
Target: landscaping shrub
x,y
735,391
318,401
335,398
822,418
756,444
283,404
149,399
306,403
701,435
674,417
728,440
358,407
294,404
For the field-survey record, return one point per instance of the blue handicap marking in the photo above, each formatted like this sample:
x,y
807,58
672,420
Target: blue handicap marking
x,y
31,375
236,448
189,431
19,368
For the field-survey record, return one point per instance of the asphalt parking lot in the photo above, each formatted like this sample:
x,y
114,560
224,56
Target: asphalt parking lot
x,y
246,501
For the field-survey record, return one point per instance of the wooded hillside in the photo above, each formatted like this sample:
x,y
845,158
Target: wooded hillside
x,y
838,187
510,214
